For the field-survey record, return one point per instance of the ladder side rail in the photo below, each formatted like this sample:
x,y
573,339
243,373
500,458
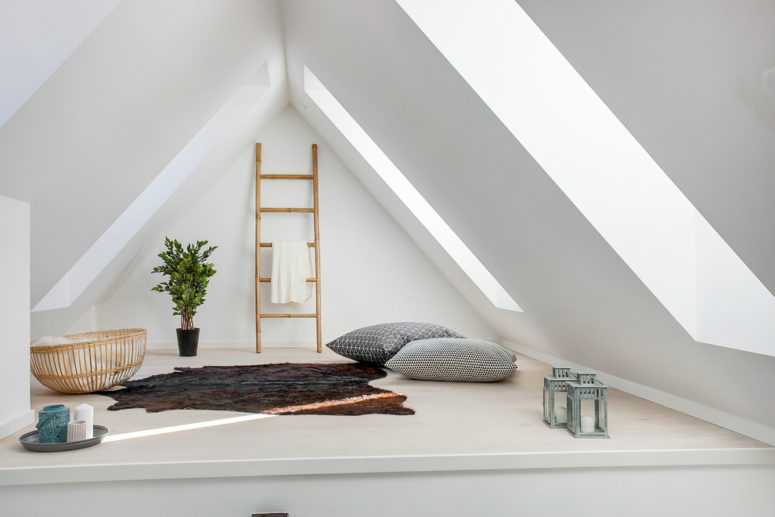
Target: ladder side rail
x,y
317,247
258,248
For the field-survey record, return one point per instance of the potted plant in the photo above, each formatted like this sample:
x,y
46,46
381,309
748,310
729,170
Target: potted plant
x,y
187,274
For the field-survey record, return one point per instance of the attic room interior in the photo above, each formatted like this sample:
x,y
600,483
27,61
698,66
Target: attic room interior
x,y
387,257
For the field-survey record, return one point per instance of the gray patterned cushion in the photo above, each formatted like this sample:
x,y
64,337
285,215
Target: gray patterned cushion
x,y
378,343
454,360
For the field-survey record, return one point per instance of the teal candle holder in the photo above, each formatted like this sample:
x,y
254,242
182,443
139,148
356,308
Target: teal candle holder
x,y
52,423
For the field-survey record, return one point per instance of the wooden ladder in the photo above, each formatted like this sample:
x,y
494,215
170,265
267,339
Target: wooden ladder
x,y
315,245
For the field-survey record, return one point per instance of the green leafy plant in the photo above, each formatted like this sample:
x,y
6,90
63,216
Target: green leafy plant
x,y
187,274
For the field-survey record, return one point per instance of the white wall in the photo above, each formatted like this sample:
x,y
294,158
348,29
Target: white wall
x,y
581,301
119,109
40,35
372,272
639,492
15,411
202,173
692,81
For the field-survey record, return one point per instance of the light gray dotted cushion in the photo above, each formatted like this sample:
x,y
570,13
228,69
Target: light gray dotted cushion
x,y
378,343
454,360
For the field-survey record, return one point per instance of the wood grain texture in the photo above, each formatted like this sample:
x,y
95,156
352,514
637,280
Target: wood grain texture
x,y
286,176
288,210
258,280
269,244
265,280
317,247
287,315
258,252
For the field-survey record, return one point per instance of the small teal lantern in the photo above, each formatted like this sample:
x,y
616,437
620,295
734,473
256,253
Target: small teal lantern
x,y
555,415
587,407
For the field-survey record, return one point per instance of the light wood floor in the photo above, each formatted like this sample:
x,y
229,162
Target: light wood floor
x,y
450,418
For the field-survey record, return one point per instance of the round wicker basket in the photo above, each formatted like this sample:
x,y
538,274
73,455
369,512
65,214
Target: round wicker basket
x,y
97,361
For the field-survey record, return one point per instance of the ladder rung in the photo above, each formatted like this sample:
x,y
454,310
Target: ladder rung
x,y
287,176
258,279
265,280
288,210
289,315
269,244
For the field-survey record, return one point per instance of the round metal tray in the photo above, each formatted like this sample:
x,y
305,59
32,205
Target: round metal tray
x,y
31,443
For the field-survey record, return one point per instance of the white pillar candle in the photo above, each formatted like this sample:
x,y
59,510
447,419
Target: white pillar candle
x,y
561,415
587,424
86,413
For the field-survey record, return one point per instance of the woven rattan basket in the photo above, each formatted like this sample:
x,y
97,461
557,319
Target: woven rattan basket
x,y
96,362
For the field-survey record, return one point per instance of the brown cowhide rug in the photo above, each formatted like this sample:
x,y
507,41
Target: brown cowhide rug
x,y
280,389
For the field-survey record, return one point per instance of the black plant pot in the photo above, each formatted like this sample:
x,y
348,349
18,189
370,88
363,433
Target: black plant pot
x,y
188,340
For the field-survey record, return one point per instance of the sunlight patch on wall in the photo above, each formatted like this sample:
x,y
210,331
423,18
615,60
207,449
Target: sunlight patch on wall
x,y
407,193
604,171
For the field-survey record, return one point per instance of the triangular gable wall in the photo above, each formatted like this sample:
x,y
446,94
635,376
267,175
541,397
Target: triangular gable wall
x,y
372,272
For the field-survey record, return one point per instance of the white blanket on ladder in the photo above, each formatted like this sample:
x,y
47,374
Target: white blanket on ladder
x,y
291,266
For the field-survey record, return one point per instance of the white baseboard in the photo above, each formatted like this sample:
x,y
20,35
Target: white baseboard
x,y
738,424
170,345
15,423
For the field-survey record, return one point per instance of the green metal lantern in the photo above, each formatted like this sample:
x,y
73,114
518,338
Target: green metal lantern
x,y
587,419
556,415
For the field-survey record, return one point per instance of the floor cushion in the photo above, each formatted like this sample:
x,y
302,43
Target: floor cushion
x,y
378,343
453,360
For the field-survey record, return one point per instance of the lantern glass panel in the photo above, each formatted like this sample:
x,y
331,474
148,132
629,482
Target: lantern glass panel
x,y
554,396
547,405
587,407
571,414
587,413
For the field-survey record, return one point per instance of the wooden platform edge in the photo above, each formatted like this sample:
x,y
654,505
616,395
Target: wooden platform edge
x,y
54,474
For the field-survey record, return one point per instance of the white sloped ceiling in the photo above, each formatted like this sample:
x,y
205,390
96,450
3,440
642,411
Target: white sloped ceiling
x,y
36,38
694,82
581,301
105,124
690,85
